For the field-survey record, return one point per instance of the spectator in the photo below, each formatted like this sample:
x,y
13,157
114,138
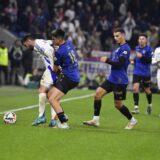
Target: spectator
x,y
15,57
3,62
129,25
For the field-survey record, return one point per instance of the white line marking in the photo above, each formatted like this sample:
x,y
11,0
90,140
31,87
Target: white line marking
x,y
34,106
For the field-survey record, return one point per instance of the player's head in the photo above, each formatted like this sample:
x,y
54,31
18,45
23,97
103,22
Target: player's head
x,y
28,41
2,44
119,36
58,36
142,39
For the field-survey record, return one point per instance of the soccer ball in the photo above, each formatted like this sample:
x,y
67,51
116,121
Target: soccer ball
x,y
10,117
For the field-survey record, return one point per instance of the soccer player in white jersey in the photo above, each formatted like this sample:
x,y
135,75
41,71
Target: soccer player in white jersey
x,y
156,60
46,52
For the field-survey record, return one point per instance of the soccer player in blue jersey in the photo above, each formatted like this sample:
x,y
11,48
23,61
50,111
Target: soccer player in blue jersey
x,y
116,82
65,57
142,73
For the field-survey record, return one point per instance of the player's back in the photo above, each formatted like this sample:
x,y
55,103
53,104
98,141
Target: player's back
x,y
118,74
45,50
66,58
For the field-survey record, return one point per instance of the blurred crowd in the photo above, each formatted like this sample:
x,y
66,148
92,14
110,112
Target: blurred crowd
x,y
88,23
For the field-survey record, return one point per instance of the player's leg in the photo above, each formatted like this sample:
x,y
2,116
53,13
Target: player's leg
x,y
56,93
136,84
42,104
100,92
119,96
149,97
55,96
45,84
146,84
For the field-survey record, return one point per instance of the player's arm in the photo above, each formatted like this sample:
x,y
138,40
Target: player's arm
x,y
144,59
120,62
56,68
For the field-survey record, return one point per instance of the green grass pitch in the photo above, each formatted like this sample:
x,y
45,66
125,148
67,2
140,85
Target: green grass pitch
x,y
110,141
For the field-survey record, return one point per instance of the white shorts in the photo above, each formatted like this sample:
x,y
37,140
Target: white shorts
x,y
46,79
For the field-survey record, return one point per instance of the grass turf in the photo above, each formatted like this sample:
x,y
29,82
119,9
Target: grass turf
x,y
110,141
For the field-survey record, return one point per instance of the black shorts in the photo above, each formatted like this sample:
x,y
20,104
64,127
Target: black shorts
x,y
119,90
64,84
146,81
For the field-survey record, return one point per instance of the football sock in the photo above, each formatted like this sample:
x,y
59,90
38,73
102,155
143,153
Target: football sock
x,y
62,117
96,118
97,107
42,103
53,113
149,98
136,98
124,110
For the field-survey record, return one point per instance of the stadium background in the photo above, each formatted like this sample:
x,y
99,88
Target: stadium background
x,y
92,37
88,24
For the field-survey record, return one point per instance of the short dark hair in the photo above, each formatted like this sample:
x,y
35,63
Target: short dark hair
x,y
121,30
58,33
2,42
25,38
143,34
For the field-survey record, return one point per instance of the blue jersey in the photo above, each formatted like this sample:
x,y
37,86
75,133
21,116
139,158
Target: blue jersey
x,y
142,68
118,74
65,57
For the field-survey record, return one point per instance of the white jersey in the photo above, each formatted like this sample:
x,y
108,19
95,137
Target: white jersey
x,y
45,50
156,60
156,56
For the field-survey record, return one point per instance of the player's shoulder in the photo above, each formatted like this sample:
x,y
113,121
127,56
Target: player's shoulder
x,y
157,50
43,42
149,47
125,48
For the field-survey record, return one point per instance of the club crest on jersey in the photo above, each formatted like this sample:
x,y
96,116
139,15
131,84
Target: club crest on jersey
x,y
117,50
143,51
124,52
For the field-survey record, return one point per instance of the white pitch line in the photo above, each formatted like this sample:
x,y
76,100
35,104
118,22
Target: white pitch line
x,y
34,106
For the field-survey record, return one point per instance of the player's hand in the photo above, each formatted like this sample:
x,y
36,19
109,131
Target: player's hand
x,y
132,61
103,59
139,55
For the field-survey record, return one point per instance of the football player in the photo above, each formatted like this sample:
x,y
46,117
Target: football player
x,y
65,57
116,82
142,73
46,52
156,60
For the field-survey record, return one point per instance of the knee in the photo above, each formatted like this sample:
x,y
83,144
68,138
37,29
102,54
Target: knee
x,y
53,99
97,96
147,91
118,104
135,89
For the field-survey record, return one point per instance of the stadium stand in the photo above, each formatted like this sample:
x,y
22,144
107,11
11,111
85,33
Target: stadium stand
x,y
89,24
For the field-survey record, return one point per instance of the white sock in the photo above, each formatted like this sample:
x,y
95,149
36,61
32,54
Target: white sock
x,y
42,103
96,118
53,113
150,105
136,107
133,119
